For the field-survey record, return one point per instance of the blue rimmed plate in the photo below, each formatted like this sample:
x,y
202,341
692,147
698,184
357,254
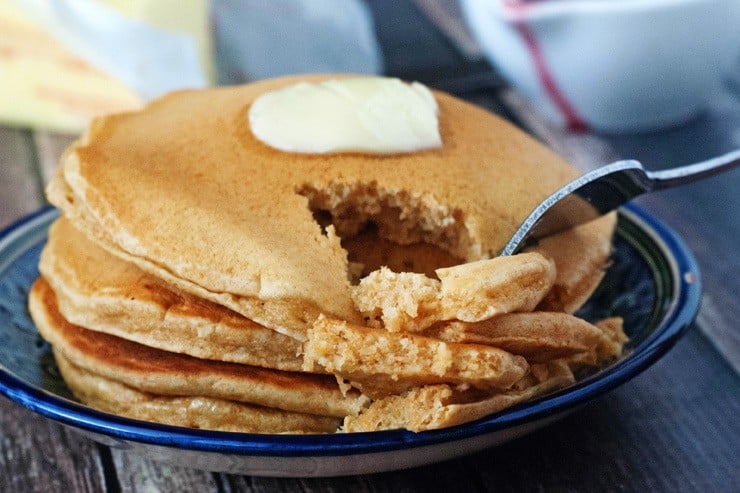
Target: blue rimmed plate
x,y
653,283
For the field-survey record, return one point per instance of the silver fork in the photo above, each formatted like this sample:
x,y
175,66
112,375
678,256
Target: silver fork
x,y
603,190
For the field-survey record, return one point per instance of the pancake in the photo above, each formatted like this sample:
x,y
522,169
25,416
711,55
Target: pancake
x,y
381,362
196,267
539,336
580,255
610,347
158,372
266,312
205,413
187,193
438,406
99,291
411,302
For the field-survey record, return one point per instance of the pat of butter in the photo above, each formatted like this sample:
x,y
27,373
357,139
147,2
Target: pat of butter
x,y
377,115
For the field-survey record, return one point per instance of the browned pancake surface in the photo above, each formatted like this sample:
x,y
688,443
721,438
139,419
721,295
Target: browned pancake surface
x,y
160,372
193,412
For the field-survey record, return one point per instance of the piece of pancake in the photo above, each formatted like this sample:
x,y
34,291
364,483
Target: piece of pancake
x,y
206,413
471,292
186,192
101,292
581,255
159,372
438,406
539,336
380,362
609,348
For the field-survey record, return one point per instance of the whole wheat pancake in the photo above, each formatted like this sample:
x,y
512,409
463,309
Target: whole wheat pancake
x,y
99,291
186,192
185,237
159,372
206,413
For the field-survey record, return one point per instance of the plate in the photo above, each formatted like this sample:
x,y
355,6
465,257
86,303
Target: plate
x,y
653,283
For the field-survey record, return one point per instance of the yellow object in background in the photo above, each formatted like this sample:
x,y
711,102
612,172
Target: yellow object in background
x,y
189,17
42,84
46,84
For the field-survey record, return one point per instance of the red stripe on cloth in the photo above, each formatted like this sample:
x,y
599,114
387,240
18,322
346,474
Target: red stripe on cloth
x,y
572,119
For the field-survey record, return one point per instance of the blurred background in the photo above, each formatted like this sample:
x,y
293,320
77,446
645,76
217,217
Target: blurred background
x,y
586,65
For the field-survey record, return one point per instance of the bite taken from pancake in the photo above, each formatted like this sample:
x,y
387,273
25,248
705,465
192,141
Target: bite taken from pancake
x,y
337,229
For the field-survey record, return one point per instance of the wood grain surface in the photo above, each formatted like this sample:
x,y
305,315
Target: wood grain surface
x,y
49,148
39,455
21,187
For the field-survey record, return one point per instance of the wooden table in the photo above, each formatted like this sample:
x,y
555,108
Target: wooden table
x,y
673,428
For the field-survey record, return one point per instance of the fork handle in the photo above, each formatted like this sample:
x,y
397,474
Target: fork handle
x,y
692,172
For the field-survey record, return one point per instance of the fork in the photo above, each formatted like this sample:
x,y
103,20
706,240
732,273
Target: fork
x,y
603,190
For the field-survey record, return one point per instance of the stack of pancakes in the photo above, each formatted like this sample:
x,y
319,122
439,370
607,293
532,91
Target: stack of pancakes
x,y
200,278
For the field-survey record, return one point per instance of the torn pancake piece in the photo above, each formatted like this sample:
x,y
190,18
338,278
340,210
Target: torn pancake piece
x,y
438,406
398,301
581,255
612,344
610,347
471,292
538,336
479,290
364,354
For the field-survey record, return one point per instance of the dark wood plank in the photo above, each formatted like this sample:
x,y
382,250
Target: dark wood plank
x,y
36,454
446,15
49,146
39,455
583,150
453,475
705,213
244,484
19,182
136,473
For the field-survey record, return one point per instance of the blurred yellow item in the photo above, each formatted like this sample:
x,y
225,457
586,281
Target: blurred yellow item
x,y
190,17
44,84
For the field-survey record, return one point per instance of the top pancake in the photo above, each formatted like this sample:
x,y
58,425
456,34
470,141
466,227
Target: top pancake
x,y
100,292
185,188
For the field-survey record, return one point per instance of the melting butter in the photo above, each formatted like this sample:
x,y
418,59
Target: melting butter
x,y
377,115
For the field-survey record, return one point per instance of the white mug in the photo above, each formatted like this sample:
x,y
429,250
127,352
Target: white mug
x,y
610,65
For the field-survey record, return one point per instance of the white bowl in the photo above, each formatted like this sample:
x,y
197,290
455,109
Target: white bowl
x,y
610,65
